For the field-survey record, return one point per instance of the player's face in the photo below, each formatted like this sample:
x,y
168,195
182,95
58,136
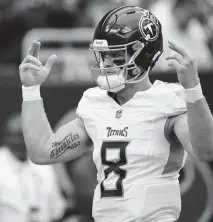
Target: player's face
x,y
109,70
114,62
114,67
113,58
111,62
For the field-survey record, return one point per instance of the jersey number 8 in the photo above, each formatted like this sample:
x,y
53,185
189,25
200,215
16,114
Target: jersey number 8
x,y
114,167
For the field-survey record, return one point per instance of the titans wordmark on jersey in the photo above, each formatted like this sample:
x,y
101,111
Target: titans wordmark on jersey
x,y
137,166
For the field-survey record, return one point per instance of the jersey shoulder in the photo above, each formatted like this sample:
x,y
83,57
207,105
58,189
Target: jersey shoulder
x,y
170,96
91,99
169,87
93,94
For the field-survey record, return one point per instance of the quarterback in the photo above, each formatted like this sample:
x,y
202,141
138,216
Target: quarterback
x,y
141,132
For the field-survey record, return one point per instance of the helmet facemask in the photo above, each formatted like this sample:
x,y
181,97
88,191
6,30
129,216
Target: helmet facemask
x,y
113,78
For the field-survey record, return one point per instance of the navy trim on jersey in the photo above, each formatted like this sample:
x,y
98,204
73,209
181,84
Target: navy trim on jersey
x,y
169,132
176,150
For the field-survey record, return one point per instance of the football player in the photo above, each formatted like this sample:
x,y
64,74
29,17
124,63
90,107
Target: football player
x,y
141,132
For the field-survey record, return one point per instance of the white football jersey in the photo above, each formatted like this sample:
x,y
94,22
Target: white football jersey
x,y
137,166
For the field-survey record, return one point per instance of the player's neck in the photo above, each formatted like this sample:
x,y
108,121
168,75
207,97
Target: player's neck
x,y
128,92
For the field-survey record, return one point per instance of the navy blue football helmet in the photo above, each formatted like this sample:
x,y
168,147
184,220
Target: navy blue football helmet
x,y
136,32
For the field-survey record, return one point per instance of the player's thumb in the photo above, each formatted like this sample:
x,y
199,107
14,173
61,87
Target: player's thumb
x,y
51,60
173,63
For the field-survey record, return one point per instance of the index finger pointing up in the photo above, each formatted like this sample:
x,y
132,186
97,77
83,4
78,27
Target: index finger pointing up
x,y
32,48
36,51
178,49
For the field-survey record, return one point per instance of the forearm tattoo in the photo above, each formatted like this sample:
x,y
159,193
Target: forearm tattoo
x,y
70,141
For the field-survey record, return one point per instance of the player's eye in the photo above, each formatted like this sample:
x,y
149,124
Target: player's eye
x,y
111,55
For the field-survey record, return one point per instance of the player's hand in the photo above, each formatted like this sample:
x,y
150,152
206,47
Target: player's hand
x,y
184,65
31,70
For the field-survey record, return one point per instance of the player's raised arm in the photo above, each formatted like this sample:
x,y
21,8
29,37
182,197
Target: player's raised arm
x,y
44,146
195,131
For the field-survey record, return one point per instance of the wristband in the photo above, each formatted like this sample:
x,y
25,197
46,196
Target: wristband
x,y
193,94
31,93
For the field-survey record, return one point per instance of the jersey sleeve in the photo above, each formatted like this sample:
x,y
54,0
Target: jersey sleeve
x,y
175,100
89,101
83,105
176,107
178,104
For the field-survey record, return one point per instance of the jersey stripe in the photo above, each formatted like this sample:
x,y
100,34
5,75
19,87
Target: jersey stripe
x,y
175,159
176,150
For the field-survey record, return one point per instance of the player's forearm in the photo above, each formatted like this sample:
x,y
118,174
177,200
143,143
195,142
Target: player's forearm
x,y
36,129
200,123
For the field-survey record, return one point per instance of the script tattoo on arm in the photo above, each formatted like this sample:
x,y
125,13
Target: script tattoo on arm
x,y
70,141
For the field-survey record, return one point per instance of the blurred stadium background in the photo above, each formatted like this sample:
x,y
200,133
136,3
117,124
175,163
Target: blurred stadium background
x,y
65,28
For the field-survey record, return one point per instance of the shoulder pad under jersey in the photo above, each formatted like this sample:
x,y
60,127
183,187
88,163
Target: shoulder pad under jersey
x,y
173,99
91,97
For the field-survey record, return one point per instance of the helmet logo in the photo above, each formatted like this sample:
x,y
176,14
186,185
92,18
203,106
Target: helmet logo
x,y
148,25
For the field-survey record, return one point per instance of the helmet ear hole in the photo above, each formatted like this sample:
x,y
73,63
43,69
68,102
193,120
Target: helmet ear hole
x,y
136,71
137,45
